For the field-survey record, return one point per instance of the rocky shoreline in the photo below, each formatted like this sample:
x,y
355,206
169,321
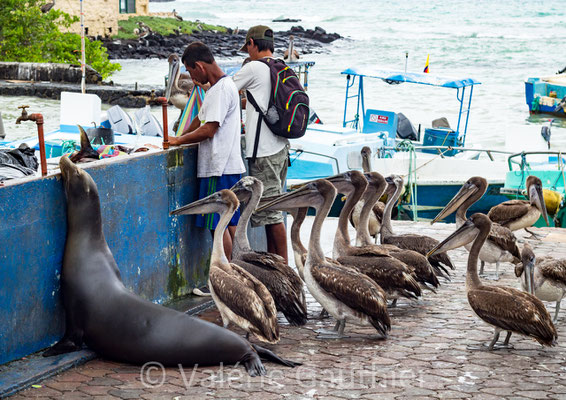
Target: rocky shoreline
x,y
223,44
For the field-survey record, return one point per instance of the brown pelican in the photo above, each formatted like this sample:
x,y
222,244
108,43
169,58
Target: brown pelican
x,y
390,274
518,214
501,244
240,297
548,277
419,243
346,294
283,283
504,308
178,85
47,7
374,217
291,55
422,270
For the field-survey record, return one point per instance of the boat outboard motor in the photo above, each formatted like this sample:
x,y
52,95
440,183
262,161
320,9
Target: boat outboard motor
x,y
120,121
146,123
545,132
561,105
405,129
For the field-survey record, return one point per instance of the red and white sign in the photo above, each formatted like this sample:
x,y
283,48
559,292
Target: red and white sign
x,y
380,119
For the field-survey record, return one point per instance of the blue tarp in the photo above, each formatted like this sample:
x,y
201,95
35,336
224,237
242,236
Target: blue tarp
x,y
412,77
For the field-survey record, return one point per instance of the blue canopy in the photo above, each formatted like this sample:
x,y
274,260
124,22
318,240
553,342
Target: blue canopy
x,y
412,77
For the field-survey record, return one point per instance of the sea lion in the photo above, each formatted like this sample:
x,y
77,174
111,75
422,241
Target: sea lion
x,y
116,323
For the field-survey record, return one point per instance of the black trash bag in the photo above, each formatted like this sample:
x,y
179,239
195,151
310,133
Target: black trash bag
x,y
405,129
13,171
17,163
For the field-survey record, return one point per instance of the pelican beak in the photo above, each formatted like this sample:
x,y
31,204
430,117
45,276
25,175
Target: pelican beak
x,y
241,191
461,237
530,275
210,204
537,199
302,197
342,182
463,194
174,72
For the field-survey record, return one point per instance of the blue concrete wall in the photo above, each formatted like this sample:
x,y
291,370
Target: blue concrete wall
x,y
160,257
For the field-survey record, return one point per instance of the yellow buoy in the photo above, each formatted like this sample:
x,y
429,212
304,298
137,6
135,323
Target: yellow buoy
x,y
552,200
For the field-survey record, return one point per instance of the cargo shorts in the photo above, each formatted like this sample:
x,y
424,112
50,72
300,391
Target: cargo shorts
x,y
272,172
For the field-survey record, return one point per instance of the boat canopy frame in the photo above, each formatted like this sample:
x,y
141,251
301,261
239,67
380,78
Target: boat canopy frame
x,y
396,77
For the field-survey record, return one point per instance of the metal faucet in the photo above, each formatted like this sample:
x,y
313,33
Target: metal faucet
x,y
24,116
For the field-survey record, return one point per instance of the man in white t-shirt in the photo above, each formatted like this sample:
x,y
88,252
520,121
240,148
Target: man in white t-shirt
x,y
271,156
217,131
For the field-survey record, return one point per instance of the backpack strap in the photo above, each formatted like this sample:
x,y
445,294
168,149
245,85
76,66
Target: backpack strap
x,y
258,127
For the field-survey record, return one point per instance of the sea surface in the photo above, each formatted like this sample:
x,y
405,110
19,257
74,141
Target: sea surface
x,y
499,43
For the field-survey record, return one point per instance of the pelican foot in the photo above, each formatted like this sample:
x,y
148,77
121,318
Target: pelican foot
x,y
485,347
323,315
533,236
326,334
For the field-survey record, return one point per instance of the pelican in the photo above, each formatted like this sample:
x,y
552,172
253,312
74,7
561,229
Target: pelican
x,y
548,277
504,308
501,244
389,273
346,294
178,85
419,243
240,297
374,217
291,55
421,268
47,7
519,214
283,283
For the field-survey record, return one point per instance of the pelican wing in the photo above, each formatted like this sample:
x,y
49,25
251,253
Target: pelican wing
x,y
356,291
508,211
264,259
421,244
513,310
553,269
285,286
246,297
368,251
390,274
504,239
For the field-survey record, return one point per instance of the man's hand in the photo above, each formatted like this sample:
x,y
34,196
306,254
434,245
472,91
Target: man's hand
x,y
173,141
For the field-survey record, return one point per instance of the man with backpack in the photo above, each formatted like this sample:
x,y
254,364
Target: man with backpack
x,y
267,149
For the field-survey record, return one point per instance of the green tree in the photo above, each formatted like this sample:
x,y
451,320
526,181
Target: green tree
x,y
28,35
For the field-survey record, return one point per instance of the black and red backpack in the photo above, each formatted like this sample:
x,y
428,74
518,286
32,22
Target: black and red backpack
x,y
288,109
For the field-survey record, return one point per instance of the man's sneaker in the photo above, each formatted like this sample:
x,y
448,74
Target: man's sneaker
x,y
202,291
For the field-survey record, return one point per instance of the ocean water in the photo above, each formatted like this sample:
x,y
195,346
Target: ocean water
x,y
498,43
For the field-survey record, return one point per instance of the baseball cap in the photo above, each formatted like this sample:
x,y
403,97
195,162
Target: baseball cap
x,y
257,32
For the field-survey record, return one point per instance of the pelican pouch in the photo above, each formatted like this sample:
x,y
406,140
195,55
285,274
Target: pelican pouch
x,y
288,110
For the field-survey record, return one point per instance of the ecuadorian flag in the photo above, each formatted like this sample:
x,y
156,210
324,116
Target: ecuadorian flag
x,y
426,65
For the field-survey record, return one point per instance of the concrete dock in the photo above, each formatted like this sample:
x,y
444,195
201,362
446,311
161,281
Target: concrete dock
x,y
426,355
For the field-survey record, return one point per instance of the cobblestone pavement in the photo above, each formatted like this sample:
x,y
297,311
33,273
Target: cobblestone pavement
x,y
426,355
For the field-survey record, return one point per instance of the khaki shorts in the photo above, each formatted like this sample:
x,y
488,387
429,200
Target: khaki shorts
x,y
272,172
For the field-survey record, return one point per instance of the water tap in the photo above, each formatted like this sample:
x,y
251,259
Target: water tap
x,y
24,116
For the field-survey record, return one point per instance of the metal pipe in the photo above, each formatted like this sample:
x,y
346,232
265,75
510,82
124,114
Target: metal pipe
x,y
163,102
38,118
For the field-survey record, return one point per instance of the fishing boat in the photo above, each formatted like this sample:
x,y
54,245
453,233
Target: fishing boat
x,y
549,166
434,167
547,95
